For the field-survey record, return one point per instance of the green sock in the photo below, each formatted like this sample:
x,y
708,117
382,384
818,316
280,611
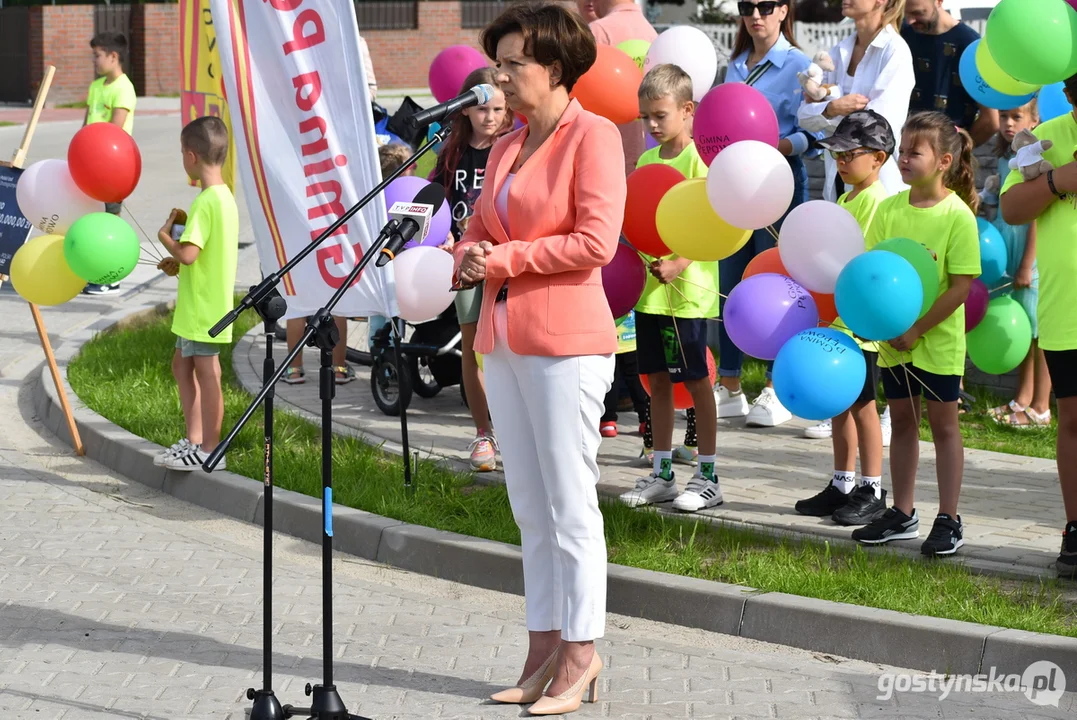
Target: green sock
x,y
706,467
663,464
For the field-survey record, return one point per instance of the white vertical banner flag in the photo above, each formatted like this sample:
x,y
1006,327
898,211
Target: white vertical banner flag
x,y
296,87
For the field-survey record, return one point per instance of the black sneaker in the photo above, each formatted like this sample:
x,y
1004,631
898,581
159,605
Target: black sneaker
x,y
92,289
945,537
1066,564
823,503
862,508
891,525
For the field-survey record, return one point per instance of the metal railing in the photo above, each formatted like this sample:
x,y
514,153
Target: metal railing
x,y
387,14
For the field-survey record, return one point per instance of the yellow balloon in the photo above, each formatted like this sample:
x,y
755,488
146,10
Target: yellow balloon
x,y
690,228
996,77
40,273
478,359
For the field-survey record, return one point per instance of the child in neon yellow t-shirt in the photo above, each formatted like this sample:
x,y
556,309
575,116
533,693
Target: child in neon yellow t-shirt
x,y
860,145
205,258
1051,201
671,315
929,359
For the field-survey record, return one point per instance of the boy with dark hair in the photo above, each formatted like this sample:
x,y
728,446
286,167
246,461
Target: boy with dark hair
x,y
111,98
205,257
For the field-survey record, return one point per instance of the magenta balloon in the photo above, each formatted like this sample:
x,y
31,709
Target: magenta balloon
x,y
764,311
976,304
623,280
1073,4
450,68
730,113
404,189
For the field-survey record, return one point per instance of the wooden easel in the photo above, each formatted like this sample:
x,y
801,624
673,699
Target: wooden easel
x,y
17,162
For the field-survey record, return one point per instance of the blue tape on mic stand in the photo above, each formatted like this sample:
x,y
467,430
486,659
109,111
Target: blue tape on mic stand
x,y
328,511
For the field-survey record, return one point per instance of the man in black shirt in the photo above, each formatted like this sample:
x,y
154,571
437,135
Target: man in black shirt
x,y
937,40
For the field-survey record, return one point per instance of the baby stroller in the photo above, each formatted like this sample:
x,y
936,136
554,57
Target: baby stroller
x,y
430,361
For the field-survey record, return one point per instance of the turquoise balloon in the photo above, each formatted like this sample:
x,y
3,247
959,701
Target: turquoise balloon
x,y
879,295
1051,102
819,373
101,248
993,254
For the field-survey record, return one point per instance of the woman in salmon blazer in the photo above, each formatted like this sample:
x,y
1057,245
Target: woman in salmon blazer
x,y
547,221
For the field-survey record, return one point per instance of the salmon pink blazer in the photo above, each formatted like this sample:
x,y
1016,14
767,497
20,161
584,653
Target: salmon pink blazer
x,y
565,207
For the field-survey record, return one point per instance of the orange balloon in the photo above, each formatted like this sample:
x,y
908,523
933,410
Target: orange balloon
x,y
682,399
610,88
646,188
828,311
768,261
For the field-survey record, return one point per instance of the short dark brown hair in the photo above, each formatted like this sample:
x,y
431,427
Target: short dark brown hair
x,y
206,137
111,42
551,34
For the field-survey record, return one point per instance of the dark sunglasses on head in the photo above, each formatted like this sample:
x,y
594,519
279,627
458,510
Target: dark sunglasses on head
x,y
767,7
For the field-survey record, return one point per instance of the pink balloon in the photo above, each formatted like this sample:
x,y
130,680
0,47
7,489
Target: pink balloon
x,y
623,280
450,68
730,113
976,304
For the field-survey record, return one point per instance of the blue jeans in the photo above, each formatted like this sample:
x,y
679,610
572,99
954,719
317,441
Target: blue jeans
x,y
730,271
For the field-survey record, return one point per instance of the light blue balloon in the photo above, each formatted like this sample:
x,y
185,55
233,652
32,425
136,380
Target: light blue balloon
x,y
1051,102
978,88
819,373
879,295
993,254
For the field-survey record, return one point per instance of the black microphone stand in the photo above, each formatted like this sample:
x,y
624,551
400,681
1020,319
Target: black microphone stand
x,y
321,332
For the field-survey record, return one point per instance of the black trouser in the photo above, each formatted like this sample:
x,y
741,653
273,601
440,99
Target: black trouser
x,y
626,374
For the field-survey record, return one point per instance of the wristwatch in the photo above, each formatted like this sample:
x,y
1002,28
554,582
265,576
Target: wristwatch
x,y
1051,185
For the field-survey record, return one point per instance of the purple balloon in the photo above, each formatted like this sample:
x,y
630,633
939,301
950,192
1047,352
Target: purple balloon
x,y
652,143
976,304
404,189
764,311
623,280
518,123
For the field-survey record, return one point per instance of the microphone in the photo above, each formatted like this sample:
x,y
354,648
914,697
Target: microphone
x,y
478,95
411,218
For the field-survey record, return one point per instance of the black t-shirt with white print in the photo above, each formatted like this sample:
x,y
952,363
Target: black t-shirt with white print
x,y
465,185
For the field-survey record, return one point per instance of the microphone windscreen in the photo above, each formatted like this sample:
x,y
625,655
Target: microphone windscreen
x,y
432,194
484,92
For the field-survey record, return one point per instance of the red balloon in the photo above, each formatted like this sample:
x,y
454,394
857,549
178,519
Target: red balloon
x,y
768,261
105,162
646,187
682,399
828,310
610,88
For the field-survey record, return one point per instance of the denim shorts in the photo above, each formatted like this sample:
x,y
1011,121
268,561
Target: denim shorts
x,y
194,348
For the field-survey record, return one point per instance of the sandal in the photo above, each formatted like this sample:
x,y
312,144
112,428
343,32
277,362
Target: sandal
x,y
1002,411
964,402
343,374
1027,418
295,376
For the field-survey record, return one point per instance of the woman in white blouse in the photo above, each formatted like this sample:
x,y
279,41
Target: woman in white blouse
x,y
872,69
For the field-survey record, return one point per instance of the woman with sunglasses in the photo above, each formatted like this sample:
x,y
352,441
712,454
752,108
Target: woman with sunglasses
x,y
765,56
873,69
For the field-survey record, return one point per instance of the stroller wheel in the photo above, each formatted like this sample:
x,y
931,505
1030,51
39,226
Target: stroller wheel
x,y
390,391
422,379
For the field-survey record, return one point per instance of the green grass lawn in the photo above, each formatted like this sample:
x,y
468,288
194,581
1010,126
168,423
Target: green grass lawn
x,y
126,377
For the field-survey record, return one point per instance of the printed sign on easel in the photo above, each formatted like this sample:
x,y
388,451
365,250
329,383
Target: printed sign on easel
x,y
14,228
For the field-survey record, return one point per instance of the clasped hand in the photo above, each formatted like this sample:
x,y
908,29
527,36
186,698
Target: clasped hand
x,y
905,342
473,266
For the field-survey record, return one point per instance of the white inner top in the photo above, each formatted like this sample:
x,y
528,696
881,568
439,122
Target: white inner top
x,y
501,204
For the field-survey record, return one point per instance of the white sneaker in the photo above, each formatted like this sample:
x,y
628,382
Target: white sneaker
x,y
650,489
191,459
177,447
730,404
700,493
767,411
884,421
822,431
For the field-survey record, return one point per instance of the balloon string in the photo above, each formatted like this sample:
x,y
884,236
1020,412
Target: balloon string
x,y
773,233
676,329
1000,287
883,350
153,241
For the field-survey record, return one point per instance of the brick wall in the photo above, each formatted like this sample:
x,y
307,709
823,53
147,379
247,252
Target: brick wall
x,y
402,57
155,43
60,35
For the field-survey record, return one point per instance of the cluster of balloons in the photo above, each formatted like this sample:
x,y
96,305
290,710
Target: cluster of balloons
x,y
1029,47
998,330
63,198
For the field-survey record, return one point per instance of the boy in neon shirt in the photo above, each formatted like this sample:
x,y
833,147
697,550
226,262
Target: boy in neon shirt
x,y
1051,201
671,316
205,256
111,98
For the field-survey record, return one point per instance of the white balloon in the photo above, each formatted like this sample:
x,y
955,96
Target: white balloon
x,y
750,184
423,283
816,241
49,198
691,50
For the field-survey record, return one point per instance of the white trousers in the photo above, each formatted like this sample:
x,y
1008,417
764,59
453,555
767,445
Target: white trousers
x,y
546,412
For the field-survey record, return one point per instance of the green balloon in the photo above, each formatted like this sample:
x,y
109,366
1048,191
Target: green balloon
x,y
101,248
635,49
922,262
999,343
1034,41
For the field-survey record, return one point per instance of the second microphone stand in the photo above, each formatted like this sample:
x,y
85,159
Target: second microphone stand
x,y
320,332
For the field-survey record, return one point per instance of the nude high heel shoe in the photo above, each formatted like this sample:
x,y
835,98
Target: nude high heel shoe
x,y
531,688
570,700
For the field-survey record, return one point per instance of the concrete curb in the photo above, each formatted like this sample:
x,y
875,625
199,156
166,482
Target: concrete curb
x,y
873,635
